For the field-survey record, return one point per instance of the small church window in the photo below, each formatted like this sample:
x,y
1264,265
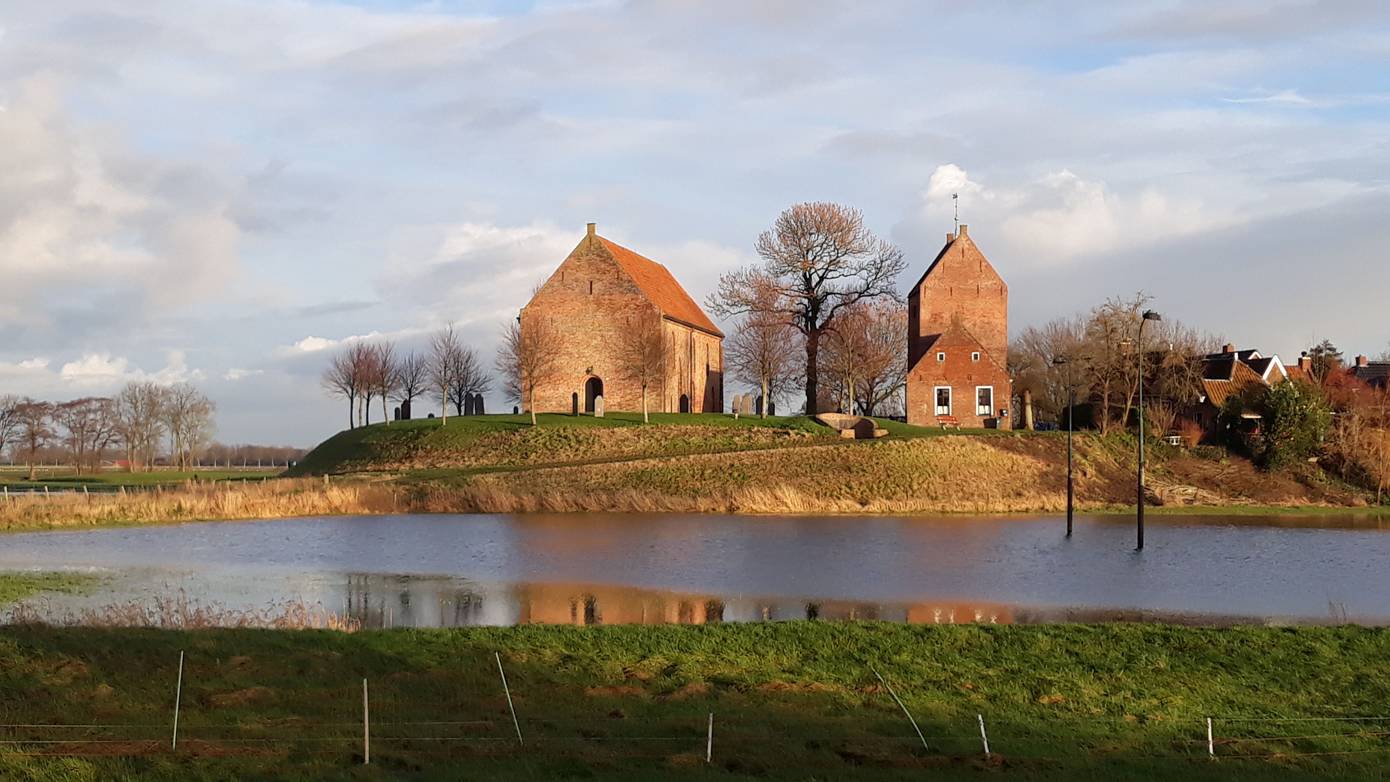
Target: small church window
x,y
940,358
975,356
591,287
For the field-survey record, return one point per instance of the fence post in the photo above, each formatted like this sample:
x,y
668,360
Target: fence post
x,y
709,739
366,728
984,739
515,723
903,707
178,696
1211,743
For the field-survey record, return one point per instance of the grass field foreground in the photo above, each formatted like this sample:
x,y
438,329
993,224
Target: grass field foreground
x,y
794,700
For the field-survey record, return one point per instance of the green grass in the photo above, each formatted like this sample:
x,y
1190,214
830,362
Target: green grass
x,y
16,586
63,479
793,700
483,443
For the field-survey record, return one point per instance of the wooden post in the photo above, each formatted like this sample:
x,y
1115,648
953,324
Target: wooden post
x,y
709,739
366,728
515,723
178,696
903,707
1211,743
984,739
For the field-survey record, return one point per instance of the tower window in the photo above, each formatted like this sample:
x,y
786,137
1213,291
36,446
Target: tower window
x,y
591,287
940,358
975,356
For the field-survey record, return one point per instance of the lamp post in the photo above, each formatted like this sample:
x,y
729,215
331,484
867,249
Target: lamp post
x,y
1071,408
1148,316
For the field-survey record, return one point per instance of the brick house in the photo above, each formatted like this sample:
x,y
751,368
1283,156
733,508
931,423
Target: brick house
x,y
1375,374
600,291
1234,372
958,340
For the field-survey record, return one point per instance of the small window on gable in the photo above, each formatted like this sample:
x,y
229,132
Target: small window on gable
x,y
940,358
591,287
975,356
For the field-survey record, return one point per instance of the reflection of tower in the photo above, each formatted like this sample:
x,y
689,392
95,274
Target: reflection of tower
x,y
378,600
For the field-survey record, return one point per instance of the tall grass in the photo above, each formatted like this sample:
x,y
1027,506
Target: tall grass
x,y
272,499
181,613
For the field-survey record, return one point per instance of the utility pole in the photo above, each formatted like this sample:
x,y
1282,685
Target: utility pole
x,y
1148,316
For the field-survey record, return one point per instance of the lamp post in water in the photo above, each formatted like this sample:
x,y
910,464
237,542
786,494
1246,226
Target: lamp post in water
x,y
1071,408
1148,316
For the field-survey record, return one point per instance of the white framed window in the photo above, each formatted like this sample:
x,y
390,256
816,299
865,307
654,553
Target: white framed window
x,y
984,400
940,358
975,356
943,400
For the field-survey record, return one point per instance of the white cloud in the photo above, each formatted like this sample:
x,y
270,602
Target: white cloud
x,y
1282,98
234,374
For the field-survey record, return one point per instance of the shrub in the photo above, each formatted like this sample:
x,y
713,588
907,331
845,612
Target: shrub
x,y
1294,420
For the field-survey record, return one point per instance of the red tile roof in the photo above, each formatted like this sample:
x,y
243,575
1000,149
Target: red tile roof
x,y
1241,378
661,288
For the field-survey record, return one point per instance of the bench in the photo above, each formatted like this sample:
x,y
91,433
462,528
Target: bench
x,y
948,421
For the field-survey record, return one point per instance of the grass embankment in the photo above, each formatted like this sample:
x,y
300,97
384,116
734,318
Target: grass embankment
x,y
790,701
16,586
65,479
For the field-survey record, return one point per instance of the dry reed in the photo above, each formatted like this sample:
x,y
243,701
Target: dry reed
x,y
180,613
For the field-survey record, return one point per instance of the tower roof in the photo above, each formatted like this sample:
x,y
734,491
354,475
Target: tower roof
x,y
959,243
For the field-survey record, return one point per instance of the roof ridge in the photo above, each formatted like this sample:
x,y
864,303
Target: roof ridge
x,y
660,287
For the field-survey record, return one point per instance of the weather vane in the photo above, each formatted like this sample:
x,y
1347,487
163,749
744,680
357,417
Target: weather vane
x,y
955,201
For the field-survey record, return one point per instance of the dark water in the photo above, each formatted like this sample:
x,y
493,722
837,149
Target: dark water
x,y
461,570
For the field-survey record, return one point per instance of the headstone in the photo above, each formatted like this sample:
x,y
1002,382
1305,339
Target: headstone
x,y
758,405
431,416
772,408
468,404
515,410
395,414
405,410
747,404
479,405
574,403
598,406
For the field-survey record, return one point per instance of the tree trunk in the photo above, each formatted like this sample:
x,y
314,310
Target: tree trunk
x,y
352,409
33,471
812,383
385,410
645,419
533,405
766,401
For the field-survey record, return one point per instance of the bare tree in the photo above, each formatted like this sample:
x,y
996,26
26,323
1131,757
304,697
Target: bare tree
x,y
9,423
341,378
34,420
470,378
882,371
761,353
188,421
1033,363
385,375
443,367
819,258
89,428
139,411
642,354
528,359
413,378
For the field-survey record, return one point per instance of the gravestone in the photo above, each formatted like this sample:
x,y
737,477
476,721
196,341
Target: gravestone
x,y
431,416
736,404
468,404
515,410
574,403
598,406
395,414
758,405
405,410
478,405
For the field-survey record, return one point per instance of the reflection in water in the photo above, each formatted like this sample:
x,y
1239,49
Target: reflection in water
x,y
378,600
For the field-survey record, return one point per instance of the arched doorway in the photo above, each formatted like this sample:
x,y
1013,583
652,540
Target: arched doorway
x,y
685,403
593,388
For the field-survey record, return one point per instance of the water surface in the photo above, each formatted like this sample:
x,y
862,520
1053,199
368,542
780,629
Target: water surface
x,y
439,570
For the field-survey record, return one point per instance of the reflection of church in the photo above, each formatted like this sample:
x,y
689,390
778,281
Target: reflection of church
x,y
441,601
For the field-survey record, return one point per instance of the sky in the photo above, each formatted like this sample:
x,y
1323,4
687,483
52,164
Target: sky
x,y
225,191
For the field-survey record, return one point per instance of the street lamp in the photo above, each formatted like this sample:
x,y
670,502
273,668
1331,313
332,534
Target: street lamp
x,y
1071,410
1148,316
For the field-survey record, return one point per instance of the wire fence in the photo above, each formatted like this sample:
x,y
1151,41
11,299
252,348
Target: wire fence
x,y
384,718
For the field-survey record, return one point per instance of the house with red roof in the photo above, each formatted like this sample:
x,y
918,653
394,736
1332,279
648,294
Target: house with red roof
x,y
593,300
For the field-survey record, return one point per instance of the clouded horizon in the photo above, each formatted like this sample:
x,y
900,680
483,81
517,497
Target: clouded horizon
x,y
223,191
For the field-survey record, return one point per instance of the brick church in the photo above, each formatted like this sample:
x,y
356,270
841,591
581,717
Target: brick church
x,y
598,292
958,340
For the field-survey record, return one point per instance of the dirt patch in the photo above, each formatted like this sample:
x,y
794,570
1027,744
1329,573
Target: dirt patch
x,y
797,687
241,697
616,691
65,672
239,662
691,690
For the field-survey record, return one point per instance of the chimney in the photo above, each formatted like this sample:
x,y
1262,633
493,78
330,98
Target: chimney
x,y
1362,361
950,237
1228,348
964,229
1305,362
590,229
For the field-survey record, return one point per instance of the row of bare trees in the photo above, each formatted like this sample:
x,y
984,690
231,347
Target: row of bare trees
x,y
1098,354
141,417
360,372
